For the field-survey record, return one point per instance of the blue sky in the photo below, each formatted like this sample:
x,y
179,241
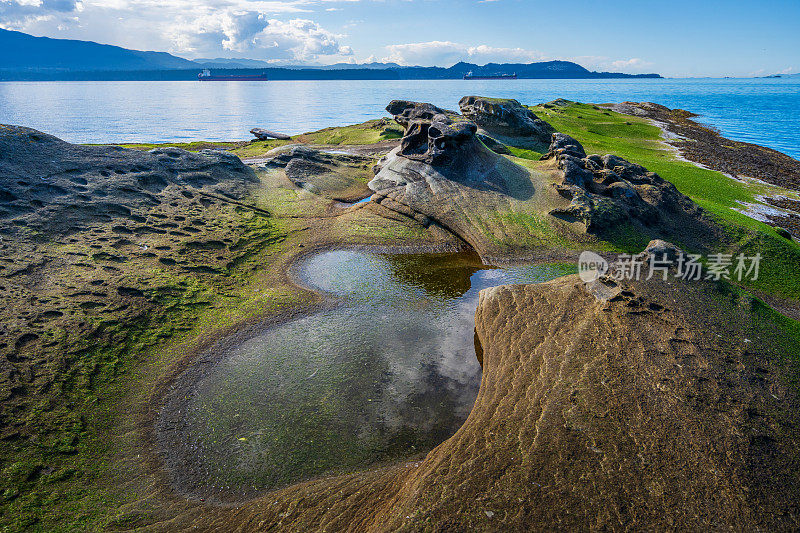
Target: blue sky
x,y
678,38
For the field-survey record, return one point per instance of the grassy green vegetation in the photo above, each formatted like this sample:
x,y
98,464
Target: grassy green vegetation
x,y
195,146
636,139
369,132
524,153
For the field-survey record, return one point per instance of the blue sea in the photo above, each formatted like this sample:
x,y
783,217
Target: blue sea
x,y
761,111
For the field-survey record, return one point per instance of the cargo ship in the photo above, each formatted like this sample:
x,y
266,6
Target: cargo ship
x,y
207,76
470,76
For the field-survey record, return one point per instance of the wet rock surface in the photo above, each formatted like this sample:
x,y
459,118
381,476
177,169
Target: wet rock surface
x,y
787,222
506,119
607,190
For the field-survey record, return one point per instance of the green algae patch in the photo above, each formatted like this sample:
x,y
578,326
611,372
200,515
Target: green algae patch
x,y
370,132
194,146
103,332
638,140
524,153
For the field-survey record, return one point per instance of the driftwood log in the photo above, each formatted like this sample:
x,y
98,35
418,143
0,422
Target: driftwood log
x,y
262,135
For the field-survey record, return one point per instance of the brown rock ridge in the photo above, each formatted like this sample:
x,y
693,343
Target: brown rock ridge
x,y
645,405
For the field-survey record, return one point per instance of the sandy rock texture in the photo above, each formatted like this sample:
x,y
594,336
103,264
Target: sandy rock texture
x,y
506,208
94,239
655,404
336,176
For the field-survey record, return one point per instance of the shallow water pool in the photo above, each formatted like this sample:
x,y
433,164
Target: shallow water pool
x,y
388,373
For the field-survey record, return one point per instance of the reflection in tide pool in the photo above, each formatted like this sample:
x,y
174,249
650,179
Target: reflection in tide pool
x,y
388,374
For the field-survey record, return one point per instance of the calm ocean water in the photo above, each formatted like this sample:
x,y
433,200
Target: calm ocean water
x,y
762,111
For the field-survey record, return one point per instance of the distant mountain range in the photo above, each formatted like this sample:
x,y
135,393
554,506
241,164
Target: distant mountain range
x,y
23,52
25,57
222,62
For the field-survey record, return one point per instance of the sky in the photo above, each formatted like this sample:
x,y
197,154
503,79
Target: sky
x,y
679,38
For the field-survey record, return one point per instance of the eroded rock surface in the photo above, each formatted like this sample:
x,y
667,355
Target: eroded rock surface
x,y
605,191
441,172
334,175
665,405
505,207
507,120
432,135
51,185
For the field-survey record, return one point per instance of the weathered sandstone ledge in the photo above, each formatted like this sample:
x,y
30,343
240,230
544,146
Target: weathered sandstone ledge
x,y
644,405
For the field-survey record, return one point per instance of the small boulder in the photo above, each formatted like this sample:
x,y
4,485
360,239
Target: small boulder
x,y
506,118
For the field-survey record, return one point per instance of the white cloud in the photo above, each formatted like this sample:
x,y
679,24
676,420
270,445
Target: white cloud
x,y
633,63
606,64
17,14
191,28
445,53
254,35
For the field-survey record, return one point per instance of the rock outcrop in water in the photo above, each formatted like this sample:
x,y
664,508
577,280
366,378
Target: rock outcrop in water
x,y
51,185
506,120
607,190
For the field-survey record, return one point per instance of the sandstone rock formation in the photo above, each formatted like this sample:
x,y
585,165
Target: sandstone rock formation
x,y
337,176
507,120
433,135
442,172
505,207
670,404
50,185
607,190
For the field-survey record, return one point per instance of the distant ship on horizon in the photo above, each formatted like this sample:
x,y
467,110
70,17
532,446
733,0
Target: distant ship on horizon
x,y
206,75
470,76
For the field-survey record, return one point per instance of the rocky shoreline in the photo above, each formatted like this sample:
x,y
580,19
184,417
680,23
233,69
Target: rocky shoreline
x,y
146,265
743,161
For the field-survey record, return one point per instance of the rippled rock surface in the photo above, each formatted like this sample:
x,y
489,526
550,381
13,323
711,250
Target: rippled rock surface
x,y
665,405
